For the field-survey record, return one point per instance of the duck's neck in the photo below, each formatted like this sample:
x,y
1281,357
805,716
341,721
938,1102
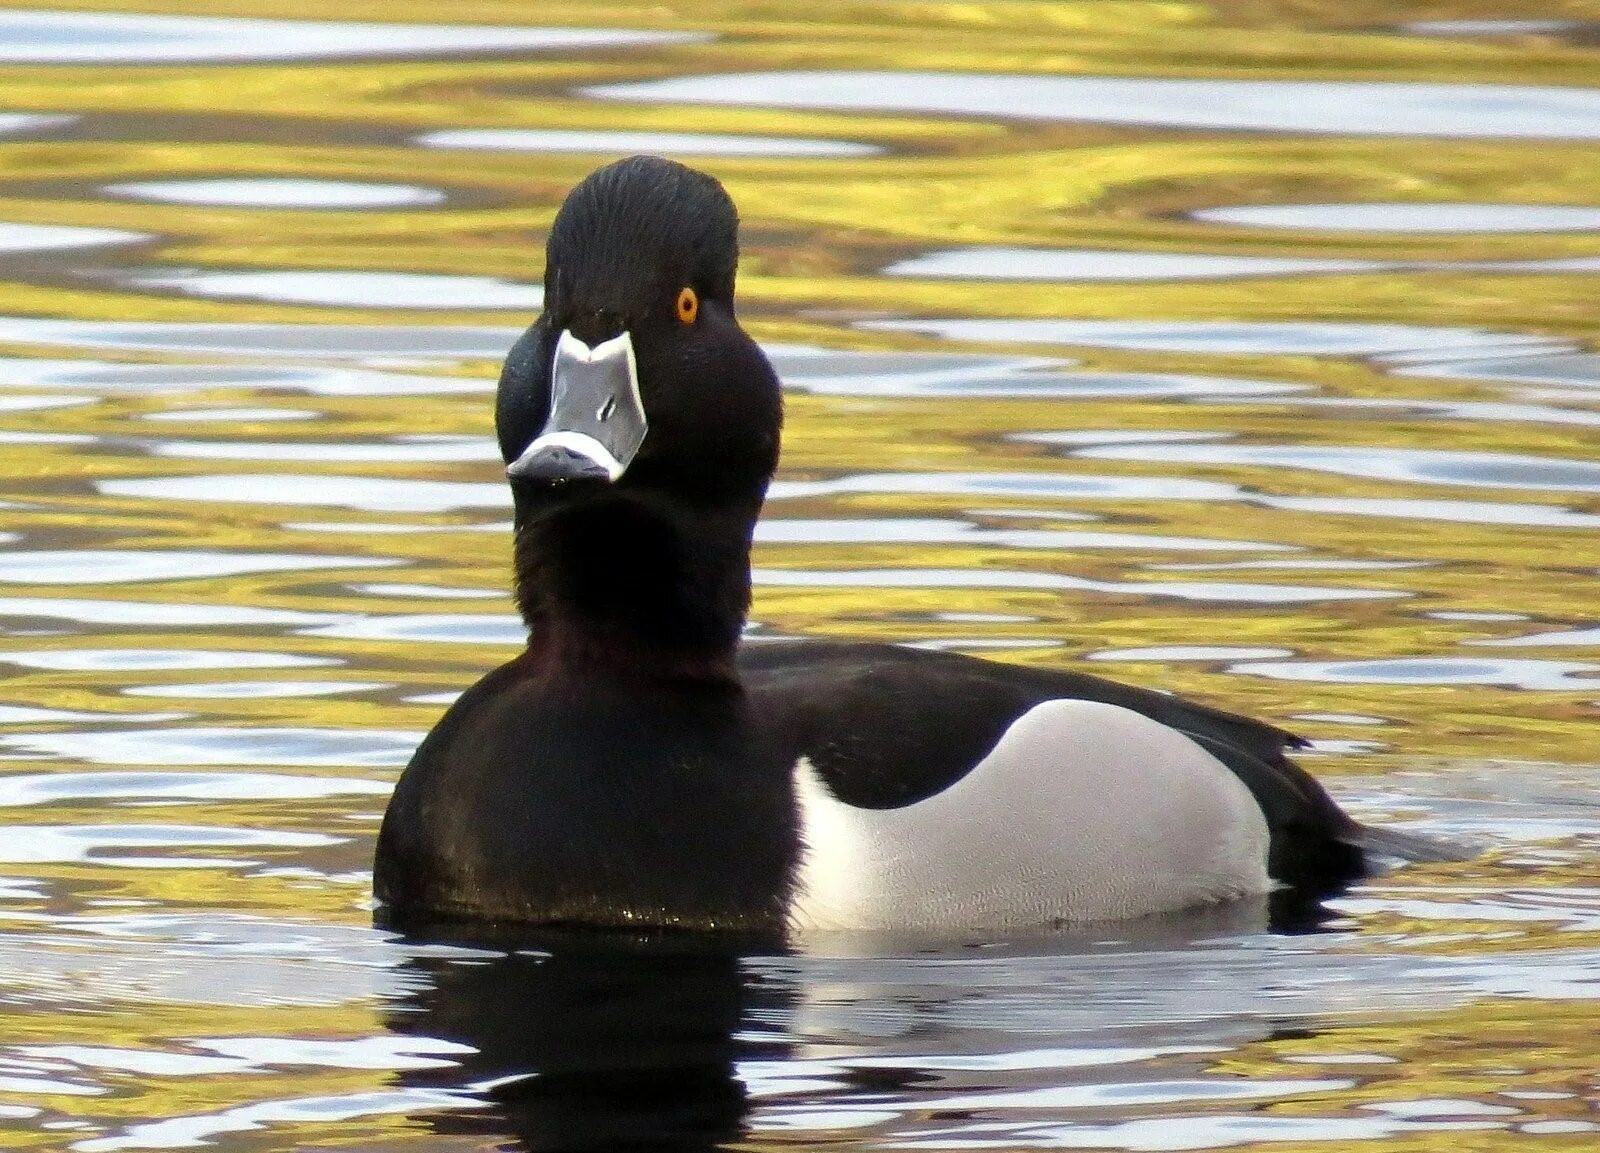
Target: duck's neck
x,y
621,587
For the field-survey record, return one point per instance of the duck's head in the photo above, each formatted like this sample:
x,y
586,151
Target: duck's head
x,y
637,377
639,425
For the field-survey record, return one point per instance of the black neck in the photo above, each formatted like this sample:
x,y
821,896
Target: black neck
x,y
620,584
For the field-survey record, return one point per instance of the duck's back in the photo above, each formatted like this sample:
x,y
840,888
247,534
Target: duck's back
x,y
940,788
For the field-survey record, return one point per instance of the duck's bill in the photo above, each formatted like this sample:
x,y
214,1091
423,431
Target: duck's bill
x,y
596,421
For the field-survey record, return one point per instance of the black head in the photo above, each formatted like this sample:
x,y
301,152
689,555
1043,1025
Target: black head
x,y
644,249
638,421
630,236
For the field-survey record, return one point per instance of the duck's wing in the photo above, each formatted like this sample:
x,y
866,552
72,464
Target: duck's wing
x,y
886,727
841,703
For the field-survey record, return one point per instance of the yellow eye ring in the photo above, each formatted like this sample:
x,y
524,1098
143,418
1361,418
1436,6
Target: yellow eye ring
x,y
688,305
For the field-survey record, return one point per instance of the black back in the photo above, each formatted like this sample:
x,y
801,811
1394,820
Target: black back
x,y
888,726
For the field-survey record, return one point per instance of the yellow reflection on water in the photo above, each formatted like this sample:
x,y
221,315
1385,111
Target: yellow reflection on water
x,y
1416,599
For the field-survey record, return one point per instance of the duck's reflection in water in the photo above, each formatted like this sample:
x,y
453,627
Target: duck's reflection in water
x,y
589,1043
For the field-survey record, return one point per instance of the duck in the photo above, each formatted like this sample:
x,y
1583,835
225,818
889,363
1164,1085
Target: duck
x,y
643,766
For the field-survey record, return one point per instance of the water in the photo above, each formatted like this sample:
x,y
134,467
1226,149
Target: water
x,y
1247,352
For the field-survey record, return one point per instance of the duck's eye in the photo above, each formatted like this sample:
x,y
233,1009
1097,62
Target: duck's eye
x,y
688,305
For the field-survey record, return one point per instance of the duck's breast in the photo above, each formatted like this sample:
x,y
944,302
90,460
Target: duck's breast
x,y
1083,811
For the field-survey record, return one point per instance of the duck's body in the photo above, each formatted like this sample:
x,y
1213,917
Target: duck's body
x,y
940,791
638,766
569,800
838,786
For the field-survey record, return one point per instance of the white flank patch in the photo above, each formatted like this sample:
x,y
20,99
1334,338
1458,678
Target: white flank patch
x,y
1083,812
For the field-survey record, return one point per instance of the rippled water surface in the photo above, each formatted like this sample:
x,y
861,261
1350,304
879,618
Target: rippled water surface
x,y
1245,350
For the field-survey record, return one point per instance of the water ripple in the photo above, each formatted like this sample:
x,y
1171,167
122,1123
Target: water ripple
x,y
1164,653
109,378
154,613
45,237
254,690
1442,670
928,530
1187,1131
230,415
251,1054
123,566
198,1130
1462,111
27,715
431,628
1015,484
358,748
19,790
1205,591
366,493
1466,410
402,449
1098,264
28,121
64,844
1138,1093
281,192
1409,217
1586,637
617,143
300,341
1261,337
1415,465
1491,27
351,289
136,38
1457,511
153,660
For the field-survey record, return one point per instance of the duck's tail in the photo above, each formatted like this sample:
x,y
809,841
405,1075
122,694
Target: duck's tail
x,y
1385,847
